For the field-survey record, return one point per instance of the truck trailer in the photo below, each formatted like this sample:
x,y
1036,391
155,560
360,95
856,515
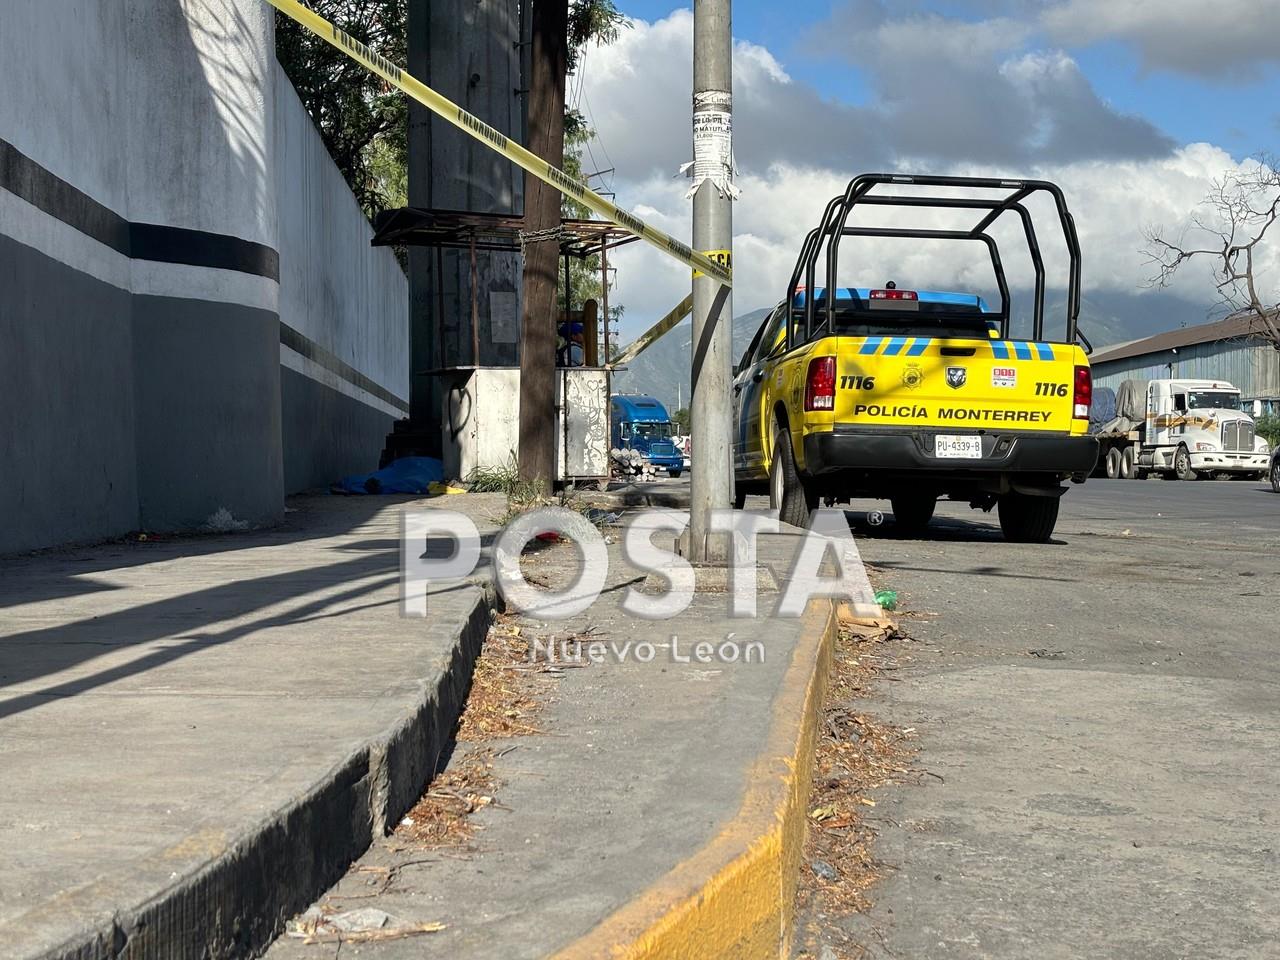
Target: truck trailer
x,y
1181,429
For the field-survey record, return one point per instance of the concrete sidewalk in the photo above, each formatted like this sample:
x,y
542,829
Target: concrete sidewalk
x,y
661,809
198,735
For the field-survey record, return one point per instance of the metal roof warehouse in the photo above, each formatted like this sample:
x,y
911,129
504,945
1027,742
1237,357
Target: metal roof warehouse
x,y
1230,350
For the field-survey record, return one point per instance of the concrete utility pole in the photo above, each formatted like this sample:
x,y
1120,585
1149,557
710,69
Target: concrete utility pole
x,y
711,415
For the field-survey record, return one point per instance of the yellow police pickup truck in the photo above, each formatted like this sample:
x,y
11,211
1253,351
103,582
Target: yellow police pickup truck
x,y
912,395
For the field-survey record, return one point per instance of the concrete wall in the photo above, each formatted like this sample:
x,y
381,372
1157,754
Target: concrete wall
x,y
151,276
344,313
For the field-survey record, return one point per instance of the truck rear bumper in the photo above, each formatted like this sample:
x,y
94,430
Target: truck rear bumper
x,y
849,447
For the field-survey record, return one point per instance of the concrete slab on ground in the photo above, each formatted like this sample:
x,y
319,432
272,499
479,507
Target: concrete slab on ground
x,y
1103,712
196,735
641,765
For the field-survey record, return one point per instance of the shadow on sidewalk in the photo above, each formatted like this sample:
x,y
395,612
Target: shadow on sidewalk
x,y
185,619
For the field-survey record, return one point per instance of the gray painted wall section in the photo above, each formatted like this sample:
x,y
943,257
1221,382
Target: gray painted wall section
x,y
353,436
66,403
350,299
208,421
144,394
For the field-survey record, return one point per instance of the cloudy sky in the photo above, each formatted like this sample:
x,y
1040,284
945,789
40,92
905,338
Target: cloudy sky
x,y
1132,105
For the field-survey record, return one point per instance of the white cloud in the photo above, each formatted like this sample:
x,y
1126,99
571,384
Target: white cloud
x,y
1222,39
639,90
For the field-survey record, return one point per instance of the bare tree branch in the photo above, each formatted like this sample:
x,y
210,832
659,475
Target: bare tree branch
x,y
1242,207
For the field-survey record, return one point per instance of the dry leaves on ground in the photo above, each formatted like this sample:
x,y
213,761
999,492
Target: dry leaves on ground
x,y
855,754
502,702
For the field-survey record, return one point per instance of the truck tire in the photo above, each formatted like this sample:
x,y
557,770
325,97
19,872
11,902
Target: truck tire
x,y
787,493
1128,464
1113,463
1182,465
912,513
674,472
1028,519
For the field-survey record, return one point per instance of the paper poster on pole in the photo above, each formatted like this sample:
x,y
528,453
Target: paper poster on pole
x,y
712,152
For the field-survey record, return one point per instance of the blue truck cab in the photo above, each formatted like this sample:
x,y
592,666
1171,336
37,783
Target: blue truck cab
x,y
641,423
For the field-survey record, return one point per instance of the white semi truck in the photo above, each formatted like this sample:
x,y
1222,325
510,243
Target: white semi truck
x,y
1183,429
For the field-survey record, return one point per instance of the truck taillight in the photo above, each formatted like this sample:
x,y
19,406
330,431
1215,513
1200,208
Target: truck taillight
x,y
1084,393
820,385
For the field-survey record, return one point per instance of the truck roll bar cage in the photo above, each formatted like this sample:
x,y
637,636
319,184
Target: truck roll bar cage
x,y
834,226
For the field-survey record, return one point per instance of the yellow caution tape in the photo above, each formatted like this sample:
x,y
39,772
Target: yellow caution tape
x,y
654,333
444,107
722,257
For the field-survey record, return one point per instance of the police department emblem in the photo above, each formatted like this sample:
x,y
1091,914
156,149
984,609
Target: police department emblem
x,y
957,377
912,376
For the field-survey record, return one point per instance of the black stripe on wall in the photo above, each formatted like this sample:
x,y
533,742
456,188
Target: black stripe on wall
x,y
308,348
25,178
46,191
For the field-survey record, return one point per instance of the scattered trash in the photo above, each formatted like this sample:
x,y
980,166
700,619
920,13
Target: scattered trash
x,y
888,599
867,629
365,925
1045,654
221,521
362,920
824,871
443,489
601,517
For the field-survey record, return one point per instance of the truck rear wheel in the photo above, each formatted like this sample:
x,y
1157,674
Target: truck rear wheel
x,y
787,493
1028,519
1128,465
911,514
1113,463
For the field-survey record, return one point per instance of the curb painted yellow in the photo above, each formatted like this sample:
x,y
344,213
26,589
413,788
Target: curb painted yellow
x,y
735,896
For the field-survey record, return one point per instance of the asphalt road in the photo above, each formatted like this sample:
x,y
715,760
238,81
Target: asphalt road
x,y
1103,714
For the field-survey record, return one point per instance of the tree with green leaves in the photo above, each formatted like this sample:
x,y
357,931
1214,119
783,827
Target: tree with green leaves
x,y
362,119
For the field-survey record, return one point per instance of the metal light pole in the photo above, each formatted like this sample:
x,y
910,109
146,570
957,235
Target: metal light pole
x,y
710,412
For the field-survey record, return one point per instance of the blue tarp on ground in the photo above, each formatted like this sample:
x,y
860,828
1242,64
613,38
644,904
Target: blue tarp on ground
x,y
406,475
